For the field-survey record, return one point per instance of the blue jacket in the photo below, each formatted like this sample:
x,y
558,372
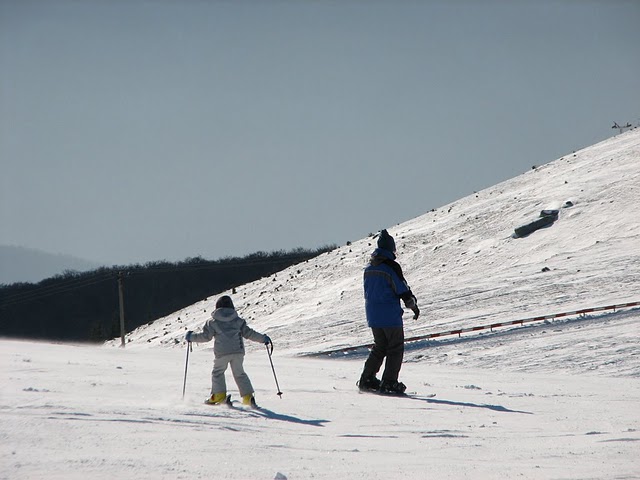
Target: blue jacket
x,y
384,286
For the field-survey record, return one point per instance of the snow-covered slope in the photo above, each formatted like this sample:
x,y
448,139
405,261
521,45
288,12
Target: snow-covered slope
x,y
550,400
462,261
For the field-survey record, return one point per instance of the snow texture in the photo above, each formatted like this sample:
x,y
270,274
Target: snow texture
x,y
556,399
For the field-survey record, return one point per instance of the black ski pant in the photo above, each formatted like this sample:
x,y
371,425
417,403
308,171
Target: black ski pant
x,y
389,343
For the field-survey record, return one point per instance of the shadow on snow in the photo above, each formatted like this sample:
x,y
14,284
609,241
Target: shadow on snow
x,y
495,408
264,412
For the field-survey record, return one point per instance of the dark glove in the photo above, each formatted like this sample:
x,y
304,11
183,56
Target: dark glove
x,y
267,340
411,302
187,337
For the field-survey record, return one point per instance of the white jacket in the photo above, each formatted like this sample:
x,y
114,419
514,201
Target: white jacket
x,y
228,329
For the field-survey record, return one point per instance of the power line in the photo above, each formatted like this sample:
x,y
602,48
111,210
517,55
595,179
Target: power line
x,y
64,286
55,289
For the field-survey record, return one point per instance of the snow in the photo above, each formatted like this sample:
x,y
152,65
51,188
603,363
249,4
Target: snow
x,y
556,399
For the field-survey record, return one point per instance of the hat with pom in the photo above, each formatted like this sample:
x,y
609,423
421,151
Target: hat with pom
x,y
386,242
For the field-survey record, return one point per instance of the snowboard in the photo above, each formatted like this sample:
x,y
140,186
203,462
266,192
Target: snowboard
x,y
400,395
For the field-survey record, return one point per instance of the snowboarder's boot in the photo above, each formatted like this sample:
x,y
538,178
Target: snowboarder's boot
x,y
368,383
217,398
393,388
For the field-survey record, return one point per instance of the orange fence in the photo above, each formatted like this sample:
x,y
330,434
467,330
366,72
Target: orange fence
x,y
459,332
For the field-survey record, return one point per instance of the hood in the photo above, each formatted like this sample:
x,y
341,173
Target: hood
x,y
379,255
224,314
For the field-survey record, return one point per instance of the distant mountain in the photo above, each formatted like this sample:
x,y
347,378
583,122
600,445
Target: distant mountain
x,y
20,264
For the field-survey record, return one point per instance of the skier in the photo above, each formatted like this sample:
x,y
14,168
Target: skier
x,y
384,287
228,329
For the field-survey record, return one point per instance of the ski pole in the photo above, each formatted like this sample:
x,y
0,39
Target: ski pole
x,y
274,370
186,365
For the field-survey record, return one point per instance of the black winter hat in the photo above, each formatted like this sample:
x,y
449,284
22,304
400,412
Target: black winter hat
x,y
386,241
224,302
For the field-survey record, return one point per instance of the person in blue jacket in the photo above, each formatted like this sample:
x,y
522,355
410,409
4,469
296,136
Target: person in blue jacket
x,y
384,287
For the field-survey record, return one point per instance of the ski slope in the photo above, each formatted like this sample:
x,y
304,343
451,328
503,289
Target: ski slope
x,y
556,399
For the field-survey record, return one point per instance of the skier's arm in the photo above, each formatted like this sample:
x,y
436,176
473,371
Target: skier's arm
x,y
208,332
250,334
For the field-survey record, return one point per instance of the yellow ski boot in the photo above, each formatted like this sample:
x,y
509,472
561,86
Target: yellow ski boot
x,y
217,398
249,400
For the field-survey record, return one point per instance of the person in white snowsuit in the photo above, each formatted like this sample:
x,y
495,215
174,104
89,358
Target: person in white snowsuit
x,y
228,330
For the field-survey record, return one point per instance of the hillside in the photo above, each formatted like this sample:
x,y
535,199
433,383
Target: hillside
x,y
462,261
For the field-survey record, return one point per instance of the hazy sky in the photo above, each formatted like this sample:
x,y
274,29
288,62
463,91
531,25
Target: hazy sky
x,y
136,130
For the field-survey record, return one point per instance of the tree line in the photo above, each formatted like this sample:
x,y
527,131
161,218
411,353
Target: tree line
x,y
84,306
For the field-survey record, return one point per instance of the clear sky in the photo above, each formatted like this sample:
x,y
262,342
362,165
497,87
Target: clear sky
x,y
142,130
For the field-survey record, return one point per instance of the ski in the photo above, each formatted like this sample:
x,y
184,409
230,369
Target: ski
x,y
230,403
227,402
241,406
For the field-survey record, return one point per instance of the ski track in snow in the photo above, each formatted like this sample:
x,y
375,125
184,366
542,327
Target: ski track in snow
x,y
101,412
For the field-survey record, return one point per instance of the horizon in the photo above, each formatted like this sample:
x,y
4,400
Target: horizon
x,y
81,265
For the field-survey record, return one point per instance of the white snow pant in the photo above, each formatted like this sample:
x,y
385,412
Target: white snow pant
x,y
220,364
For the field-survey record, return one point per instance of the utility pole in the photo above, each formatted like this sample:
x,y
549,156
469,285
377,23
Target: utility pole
x,y
121,299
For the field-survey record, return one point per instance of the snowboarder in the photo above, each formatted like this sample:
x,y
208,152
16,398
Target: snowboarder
x,y
384,287
228,329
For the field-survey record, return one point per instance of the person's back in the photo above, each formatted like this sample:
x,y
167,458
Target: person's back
x,y
227,329
382,291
